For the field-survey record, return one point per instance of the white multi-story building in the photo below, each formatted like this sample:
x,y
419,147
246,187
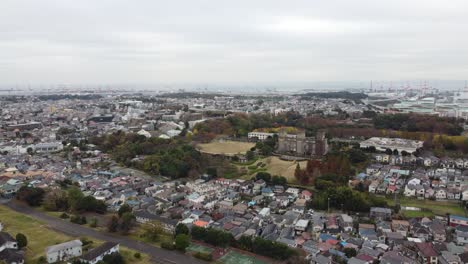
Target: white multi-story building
x,y
399,144
98,254
260,135
64,251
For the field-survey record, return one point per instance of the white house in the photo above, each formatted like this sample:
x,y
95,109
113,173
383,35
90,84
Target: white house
x,y
465,195
441,194
7,241
98,253
64,251
410,190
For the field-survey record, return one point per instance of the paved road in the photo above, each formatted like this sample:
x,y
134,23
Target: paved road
x,y
158,255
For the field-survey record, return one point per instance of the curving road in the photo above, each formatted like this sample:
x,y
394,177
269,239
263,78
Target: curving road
x,y
158,255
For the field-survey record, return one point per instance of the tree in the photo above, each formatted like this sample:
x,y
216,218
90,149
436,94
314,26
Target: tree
x,y
198,233
357,156
124,208
90,204
182,241
114,258
153,230
30,151
263,176
56,200
126,222
250,155
31,195
181,229
350,252
278,180
21,240
74,195
245,243
113,224
151,164
94,222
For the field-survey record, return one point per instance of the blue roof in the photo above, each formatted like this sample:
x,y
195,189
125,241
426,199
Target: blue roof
x,y
266,190
367,232
325,237
362,175
458,217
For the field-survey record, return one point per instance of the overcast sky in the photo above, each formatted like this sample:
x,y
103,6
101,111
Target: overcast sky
x,y
250,41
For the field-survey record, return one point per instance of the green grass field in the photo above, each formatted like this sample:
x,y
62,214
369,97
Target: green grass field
x,y
436,207
138,234
40,236
236,258
413,214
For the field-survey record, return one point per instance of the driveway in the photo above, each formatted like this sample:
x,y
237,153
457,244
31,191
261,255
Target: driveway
x,y
158,255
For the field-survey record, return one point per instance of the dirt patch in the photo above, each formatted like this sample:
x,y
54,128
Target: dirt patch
x,y
228,148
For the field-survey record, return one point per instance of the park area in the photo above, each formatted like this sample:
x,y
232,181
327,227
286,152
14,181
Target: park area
x,y
234,257
274,166
429,207
40,236
225,147
285,168
199,248
220,255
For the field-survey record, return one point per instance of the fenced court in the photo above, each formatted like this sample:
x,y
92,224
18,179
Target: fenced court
x,y
237,258
200,248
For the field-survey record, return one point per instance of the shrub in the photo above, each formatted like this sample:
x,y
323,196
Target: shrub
x,y
94,222
182,241
203,256
76,219
41,260
168,245
137,255
22,240
64,216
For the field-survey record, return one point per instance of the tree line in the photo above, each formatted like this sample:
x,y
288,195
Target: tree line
x,y
169,157
256,245
71,200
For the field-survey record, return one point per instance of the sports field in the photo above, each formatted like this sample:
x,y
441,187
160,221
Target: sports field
x,y
436,207
236,258
200,248
225,147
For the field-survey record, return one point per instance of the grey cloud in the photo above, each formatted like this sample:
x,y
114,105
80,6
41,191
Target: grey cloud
x,y
152,41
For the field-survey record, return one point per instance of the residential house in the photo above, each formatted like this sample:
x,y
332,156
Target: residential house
x,y
440,194
456,220
400,226
461,235
7,241
427,253
380,213
346,223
